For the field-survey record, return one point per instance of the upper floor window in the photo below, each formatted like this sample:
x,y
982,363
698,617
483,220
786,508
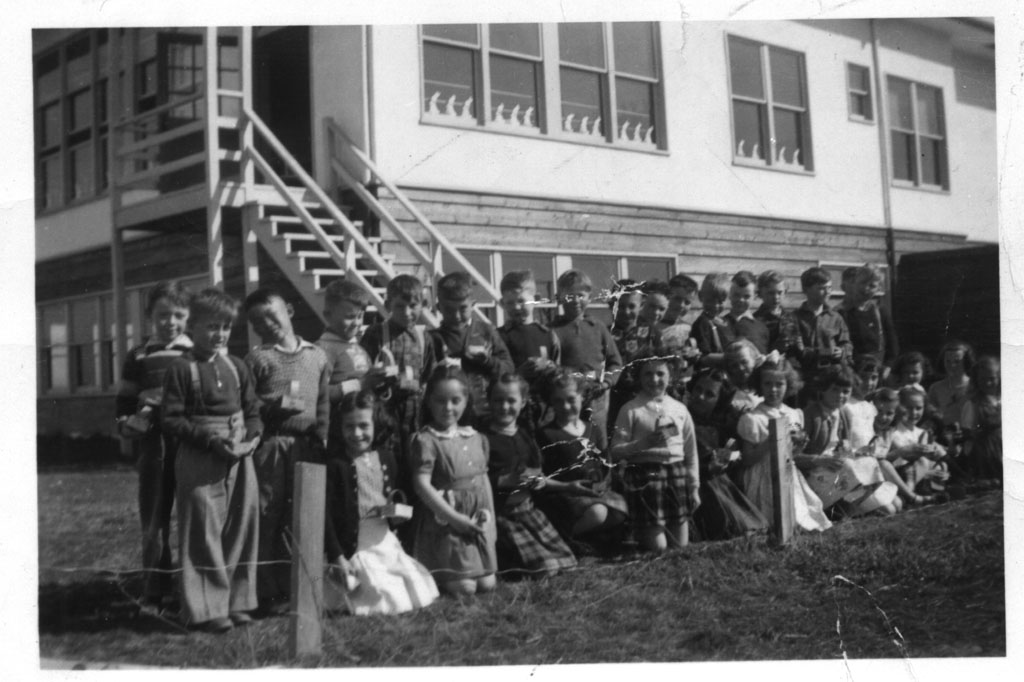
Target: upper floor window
x,y
771,118
71,120
918,127
585,81
858,86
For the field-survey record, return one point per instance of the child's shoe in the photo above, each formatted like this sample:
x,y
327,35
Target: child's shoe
x,y
240,618
216,625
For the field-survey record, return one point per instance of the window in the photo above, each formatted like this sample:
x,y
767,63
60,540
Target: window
x,y
918,128
604,84
71,120
603,270
493,81
771,120
858,86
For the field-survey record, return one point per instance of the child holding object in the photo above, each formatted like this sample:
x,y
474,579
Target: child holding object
x,y
527,542
454,529
210,406
138,418
579,500
464,339
291,378
724,512
344,306
828,462
368,573
775,379
654,436
913,452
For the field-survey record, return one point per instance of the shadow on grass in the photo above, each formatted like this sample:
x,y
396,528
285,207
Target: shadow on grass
x,y
97,605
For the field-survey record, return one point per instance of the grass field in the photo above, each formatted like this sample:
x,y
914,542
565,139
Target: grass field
x,y
928,583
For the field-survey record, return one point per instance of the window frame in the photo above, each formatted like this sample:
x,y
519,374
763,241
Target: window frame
x,y
806,165
868,94
92,135
916,182
560,261
548,117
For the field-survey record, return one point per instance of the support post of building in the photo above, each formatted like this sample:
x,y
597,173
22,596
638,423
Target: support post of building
x,y
883,153
308,509
214,225
114,115
248,167
780,452
250,257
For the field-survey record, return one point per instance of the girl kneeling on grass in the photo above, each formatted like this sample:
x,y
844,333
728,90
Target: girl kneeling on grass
x,y
654,436
527,542
454,517
578,501
210,406
365,555
775,379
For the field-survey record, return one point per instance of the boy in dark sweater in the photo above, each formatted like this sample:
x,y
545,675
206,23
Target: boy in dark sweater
x,y
740,318
292,377
469,341
587,345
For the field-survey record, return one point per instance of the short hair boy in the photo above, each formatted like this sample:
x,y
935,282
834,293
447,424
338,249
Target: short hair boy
x,y
345,304
740,317
771,289
820,336
292,377
210,407
587,345
530,344
710,333
464,338
137,408
674,328
872,330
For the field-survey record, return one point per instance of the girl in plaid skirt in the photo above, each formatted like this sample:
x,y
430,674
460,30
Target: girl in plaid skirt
x,y
654,437
527,541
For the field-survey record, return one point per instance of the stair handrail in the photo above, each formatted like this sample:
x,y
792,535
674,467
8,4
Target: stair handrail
x,y
350,231
442,241
314,228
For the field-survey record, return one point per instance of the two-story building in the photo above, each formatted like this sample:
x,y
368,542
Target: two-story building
x,y
295,155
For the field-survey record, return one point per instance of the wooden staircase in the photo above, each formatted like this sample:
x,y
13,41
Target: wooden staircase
x,y
298,253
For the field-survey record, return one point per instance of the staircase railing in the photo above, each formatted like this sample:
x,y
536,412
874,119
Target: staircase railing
x,y
341,147
353,235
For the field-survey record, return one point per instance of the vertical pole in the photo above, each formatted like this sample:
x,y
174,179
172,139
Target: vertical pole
x,y
782,482
248,168
883,154
307,558
114,115
214,226
250,257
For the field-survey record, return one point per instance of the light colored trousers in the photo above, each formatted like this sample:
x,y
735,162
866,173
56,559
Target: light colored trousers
x,y
218,527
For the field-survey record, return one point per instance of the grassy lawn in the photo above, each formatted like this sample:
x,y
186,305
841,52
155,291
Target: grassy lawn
x,y
928,583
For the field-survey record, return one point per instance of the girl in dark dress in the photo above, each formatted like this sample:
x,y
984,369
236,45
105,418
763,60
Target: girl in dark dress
x,y
725,512
527,542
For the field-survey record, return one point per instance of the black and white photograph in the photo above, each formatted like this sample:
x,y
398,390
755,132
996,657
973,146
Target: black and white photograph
x,y
392,337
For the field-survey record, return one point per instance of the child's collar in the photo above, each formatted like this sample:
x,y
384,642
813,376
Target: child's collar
x,y
454,431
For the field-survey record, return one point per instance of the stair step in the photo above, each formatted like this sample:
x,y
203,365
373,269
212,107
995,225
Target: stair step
x,y
304,253
324,276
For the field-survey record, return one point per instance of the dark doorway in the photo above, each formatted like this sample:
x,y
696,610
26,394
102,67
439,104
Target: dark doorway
x,y
281,94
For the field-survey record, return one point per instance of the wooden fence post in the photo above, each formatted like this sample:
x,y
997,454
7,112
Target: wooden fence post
x,y
782,481
307,558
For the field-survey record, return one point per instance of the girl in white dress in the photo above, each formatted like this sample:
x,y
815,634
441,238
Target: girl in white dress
x,y
775,379
369,573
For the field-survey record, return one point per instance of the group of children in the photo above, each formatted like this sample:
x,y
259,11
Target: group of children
x,y
515,449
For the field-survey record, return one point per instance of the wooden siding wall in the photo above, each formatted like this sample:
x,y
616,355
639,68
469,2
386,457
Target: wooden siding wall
x,y
703,242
